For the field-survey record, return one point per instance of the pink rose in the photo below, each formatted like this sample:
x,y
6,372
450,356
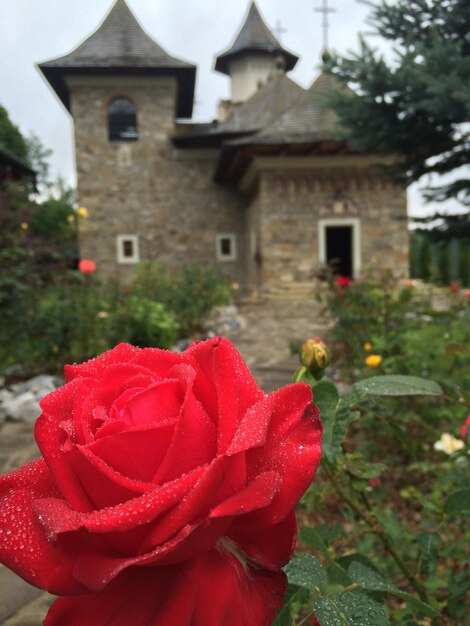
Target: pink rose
x,y
166,491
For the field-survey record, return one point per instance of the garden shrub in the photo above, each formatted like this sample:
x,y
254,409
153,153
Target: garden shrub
x,y
72,316
387,513
190,293
142,322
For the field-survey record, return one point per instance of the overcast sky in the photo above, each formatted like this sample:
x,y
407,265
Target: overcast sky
x,y
32,31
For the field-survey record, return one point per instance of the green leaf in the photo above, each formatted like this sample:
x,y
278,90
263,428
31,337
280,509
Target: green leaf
x,y
371,580
283,617
428,544
392,385
417,604
353,608
458,502
359,468
305,571
368,578
335,414
321,536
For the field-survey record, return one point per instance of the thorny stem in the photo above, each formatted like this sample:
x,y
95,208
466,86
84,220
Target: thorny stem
x,y
371,520
306,618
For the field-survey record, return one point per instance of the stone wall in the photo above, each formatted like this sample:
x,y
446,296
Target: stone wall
x,y
292,205
148,188
167,198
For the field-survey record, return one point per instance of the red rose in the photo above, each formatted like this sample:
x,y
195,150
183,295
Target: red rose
x,y
86,266
343,281
166,491
464,429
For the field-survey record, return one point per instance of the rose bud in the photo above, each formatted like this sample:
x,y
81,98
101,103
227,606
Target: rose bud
x,y
315,357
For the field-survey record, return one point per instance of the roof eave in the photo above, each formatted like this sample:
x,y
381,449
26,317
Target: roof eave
x,y
186,77
208,140
222,62
236,156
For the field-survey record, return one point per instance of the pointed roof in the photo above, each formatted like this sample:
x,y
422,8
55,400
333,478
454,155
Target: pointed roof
x,y
308,119
121,46
254,36
307,127
271,99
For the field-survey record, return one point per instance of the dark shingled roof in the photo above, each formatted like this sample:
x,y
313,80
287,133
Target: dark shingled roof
x,y
254,36
306,127
308,119
121,46
272,99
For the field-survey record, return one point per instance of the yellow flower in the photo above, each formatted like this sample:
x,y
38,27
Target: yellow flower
x,y
448,444
24,225
71,219
55,349
367,347
82,212
373,360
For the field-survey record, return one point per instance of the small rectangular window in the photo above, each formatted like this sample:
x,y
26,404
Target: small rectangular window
x,y
127,249
226,249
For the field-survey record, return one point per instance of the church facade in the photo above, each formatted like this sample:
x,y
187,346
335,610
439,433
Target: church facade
x,y
266,192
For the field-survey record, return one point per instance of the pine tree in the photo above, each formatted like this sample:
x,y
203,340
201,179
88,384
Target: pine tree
x,y
416,107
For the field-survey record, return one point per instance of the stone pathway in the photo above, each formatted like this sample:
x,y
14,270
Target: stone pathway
x,y
263,341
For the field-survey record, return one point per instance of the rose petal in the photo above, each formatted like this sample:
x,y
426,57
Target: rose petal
x,y
51,439
23,544
253,428
159,403
119,450
169,537
195,437
104,485
213,589
270,548
58,517
257,495
122,353
158,361
235,386
293,449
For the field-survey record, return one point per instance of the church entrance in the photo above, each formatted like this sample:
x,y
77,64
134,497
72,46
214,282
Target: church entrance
x,y
339,250
339,245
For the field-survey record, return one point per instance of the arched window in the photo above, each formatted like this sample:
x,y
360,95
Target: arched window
x,y
122,120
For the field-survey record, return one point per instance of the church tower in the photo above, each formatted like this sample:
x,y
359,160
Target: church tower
x,y
124,92
255,55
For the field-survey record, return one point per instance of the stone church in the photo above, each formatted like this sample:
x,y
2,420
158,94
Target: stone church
x,y
267,192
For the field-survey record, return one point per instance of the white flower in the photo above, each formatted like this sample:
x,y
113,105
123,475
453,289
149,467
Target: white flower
x,y
448,444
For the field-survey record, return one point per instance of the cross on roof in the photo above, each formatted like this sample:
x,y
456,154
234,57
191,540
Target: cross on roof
x,y
325,9
279,29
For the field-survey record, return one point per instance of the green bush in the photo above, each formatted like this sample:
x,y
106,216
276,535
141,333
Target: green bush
x,y
190,293
142,322
73,317
387,514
